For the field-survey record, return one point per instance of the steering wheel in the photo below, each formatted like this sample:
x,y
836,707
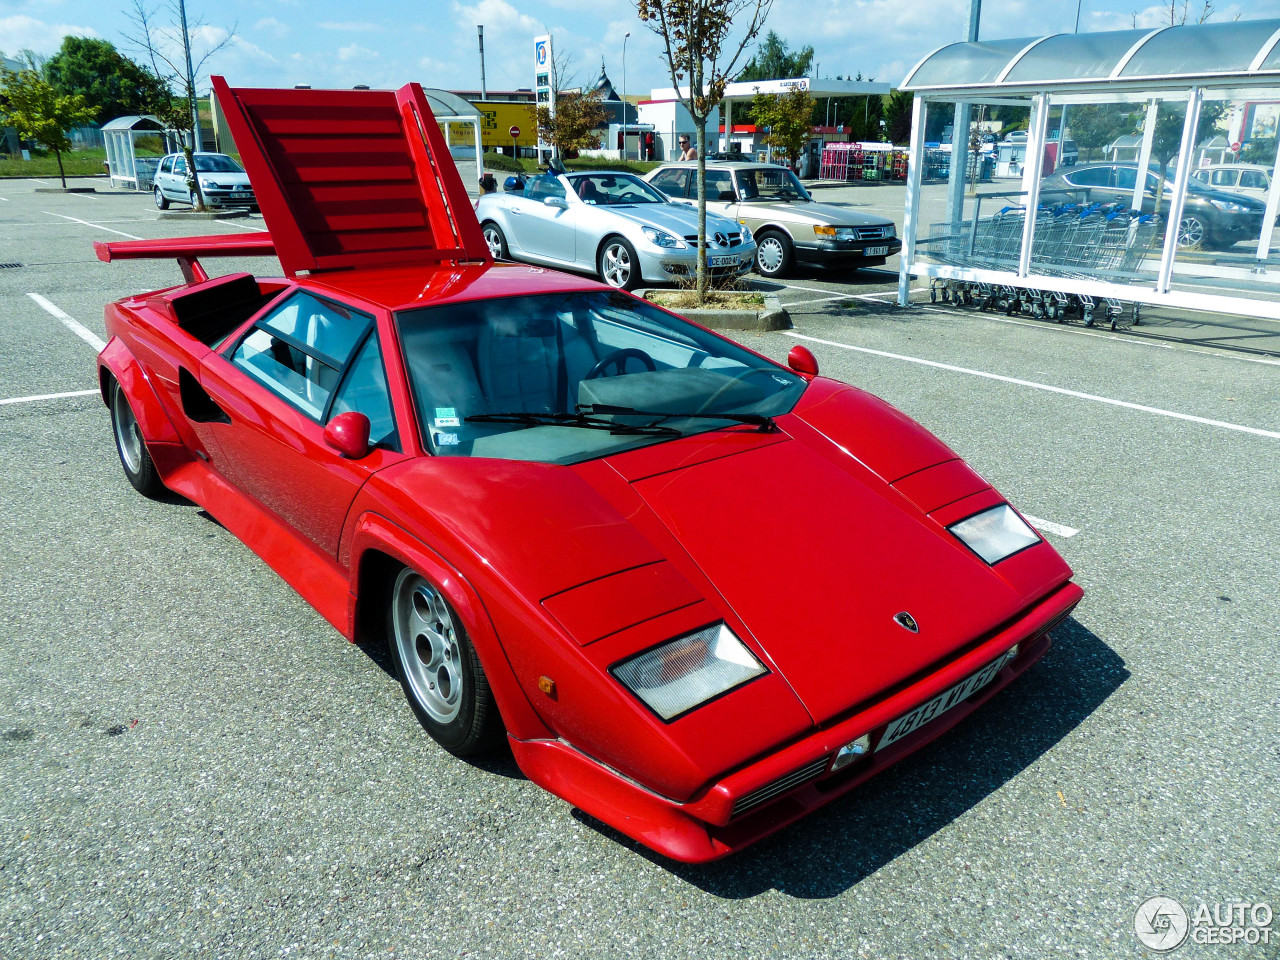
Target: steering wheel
x,y
619,359
735,379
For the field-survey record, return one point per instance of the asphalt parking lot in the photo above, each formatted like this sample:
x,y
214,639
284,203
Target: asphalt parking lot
x,y
196,765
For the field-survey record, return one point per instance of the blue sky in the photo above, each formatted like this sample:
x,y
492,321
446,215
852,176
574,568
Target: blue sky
x,y
385,43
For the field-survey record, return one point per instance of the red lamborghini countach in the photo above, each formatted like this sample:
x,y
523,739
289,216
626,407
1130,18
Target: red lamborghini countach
x,y
697,593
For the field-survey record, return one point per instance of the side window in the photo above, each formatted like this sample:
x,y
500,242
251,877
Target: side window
x,y
1094,177
364,390
300,350
166,165
671,182
544,186
1253,179
1126,178
180,166
719,185
1223,178
1201,175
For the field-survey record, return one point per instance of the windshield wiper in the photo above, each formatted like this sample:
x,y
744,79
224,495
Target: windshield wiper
x,y
532,419
765,423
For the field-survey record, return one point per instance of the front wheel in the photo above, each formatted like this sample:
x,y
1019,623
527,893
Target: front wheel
x,y
496,242
439,670
1192,232
139,468
617,264
774,254
161,200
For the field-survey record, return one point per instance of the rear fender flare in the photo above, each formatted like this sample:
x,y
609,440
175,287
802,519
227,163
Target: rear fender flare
x,y
373,540
116,362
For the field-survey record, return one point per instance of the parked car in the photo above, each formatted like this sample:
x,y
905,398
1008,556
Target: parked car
x,y
790,227
697,593
1212,219
223,182
1250,179
1070,153
611,224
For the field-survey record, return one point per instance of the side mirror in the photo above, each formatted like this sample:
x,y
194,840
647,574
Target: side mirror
x,y
348,433
802,361
560,203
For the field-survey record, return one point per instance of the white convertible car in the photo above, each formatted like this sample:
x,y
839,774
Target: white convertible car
x,y
613,225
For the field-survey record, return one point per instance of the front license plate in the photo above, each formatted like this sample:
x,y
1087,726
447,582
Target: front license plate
x,y
242,196
876,251
724,261
917,718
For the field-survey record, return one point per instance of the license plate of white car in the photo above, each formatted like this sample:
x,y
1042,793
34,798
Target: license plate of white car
x,y
917,718
241,196
876,251
724,261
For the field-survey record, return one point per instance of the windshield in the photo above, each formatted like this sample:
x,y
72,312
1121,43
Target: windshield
x,y
216,163
614,188
770,183
571,377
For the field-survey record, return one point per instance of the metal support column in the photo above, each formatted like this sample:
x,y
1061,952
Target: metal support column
x,y
1031,177
911,214
1269,218
960,135
1144,155
1189,127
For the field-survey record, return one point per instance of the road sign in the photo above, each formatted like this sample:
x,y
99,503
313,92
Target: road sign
x,y
514,131
1235,147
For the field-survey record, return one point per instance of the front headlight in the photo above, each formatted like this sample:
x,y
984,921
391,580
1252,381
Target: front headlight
x,y
208,184
995,534
891,230
683,673
746,232
836,233
1226,206
661,238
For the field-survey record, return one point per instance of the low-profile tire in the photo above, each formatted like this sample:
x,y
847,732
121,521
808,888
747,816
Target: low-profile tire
x,y
138,466
496,241
162,202
618,265
1192,231
774,254
439,670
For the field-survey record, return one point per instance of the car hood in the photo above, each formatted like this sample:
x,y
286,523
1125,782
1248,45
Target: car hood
x,y
816,557
1225,196
809,211
673,217
228,179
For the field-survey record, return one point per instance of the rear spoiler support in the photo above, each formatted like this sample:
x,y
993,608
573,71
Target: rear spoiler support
x,y
187,250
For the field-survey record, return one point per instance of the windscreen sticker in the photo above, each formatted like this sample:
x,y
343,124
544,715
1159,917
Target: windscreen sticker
x,y
447,439
447,422
445,412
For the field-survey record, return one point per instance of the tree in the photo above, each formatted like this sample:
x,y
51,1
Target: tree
x,y
695,34
576,123
897,115
786,117
1094,125
176,112
1170,119
38,112
774,61
107,80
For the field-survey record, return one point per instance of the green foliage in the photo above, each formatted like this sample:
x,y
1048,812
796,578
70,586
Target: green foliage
x,y
107,80
897,115
1261,150
576,123
774,61
38,112
500,161
787,117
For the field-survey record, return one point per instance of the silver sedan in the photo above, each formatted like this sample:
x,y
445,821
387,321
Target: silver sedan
x,y
613,225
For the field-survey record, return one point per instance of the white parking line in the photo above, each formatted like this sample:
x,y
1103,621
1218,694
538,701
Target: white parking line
x,y
241,226
1048,526
75,326
34,180
1272,434
58,396
95,226
5,199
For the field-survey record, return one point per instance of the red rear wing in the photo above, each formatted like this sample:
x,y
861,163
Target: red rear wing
x,y
349,178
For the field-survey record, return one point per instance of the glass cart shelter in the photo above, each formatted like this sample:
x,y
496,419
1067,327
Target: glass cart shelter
x,y
1187,243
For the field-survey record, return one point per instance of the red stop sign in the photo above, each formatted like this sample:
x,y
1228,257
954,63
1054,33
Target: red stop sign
x,y
1235,147
514,131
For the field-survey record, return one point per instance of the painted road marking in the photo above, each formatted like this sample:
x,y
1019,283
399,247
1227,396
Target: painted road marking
x,y
95,226
34,180
1272,434
58,396
1048,526
75,326
241,226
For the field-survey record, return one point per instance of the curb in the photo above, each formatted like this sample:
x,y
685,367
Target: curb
x,y
772,316
203,215
65,190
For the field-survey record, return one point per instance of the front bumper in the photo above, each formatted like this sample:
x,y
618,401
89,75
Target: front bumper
x,y
668,266
841,252
229,198
705,828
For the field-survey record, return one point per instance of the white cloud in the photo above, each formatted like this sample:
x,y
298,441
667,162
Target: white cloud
x,y
272,27
353,51
349,26
20,32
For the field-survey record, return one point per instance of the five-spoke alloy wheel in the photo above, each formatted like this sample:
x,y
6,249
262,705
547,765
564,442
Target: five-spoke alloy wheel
x,y
618,265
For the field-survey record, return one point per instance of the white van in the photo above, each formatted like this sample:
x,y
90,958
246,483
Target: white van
x,y
1251,179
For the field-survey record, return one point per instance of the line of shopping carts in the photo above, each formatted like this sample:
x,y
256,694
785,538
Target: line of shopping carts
x,y
1095,241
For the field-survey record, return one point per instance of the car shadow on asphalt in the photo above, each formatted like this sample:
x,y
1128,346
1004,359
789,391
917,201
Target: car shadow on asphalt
x,y
837,847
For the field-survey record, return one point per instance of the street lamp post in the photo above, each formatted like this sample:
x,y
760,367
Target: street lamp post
x,y
625,149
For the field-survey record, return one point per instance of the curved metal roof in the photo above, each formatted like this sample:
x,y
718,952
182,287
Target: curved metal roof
x,y
449,106
1216,53
146,122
